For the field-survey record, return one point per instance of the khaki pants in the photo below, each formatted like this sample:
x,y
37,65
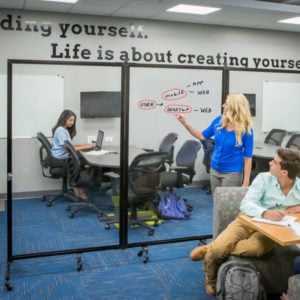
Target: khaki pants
x,y
237,239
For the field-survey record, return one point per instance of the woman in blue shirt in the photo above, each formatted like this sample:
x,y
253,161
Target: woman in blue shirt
x,y
65,130
231,162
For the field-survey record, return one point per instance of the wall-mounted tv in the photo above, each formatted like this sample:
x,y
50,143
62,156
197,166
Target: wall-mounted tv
x,y
252,103
100,104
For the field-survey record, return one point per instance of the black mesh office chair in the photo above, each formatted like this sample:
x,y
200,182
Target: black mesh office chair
x,y
167,146
294,142
144,180
79,176
275,136
51,168
183,172
208,148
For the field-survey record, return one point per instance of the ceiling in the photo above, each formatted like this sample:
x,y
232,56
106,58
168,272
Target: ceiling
x,y
238,13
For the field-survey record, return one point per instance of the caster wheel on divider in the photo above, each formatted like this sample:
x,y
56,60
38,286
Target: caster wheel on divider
x,y
8,286
79,267
146,257
140,253
107,226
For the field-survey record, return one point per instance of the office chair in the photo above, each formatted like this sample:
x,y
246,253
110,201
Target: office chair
x,y
144,176
275,137
51,168
79,176
208,148
294,142
182,174
167,146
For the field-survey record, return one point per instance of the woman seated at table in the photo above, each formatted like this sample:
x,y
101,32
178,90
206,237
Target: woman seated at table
x,y
65,130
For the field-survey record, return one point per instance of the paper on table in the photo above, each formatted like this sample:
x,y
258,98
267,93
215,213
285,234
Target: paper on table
x,y
98,152
295,226
285,221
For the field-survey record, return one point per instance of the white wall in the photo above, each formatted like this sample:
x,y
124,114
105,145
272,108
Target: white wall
x,y
170,41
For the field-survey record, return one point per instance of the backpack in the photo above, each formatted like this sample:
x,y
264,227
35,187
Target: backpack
x,y
172,206
239,280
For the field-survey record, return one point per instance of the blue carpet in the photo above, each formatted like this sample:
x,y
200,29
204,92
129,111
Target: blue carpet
x,y
113,274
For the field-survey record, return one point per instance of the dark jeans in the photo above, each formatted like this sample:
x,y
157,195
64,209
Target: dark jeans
x,y
297,265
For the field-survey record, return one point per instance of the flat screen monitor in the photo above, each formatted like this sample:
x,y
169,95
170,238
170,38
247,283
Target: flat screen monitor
x,y
252,103
101,104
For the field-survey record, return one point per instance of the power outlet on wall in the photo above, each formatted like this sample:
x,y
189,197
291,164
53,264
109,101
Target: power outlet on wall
x,y
108,139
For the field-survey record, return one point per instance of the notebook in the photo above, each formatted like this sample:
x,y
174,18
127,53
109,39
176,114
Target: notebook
x,y
287,221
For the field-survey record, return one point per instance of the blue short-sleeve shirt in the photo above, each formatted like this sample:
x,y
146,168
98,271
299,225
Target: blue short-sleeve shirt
x,y
61,135
228,156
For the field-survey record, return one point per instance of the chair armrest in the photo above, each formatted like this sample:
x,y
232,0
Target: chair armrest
x,y
178,168
226,206
148,150
112,175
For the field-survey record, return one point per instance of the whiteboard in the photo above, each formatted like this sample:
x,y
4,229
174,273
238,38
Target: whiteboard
x,y
281,106
37,100
158,94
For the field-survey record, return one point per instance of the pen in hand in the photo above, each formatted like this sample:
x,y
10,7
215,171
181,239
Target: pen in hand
x,y
274,215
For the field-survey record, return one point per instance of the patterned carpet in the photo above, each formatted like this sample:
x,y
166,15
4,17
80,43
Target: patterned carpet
x,y
112,274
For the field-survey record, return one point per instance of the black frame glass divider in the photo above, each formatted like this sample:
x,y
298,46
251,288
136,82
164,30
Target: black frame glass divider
x,y
124,137
9,213
201,238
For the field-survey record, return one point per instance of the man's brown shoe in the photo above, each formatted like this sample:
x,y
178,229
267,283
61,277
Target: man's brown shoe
x,y
198,253
210,289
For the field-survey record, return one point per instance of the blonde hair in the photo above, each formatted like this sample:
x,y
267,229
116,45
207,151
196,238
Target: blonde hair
x,y
238,113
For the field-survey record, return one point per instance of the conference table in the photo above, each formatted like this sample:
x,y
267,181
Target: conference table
x,y
111,159
264,151
280,234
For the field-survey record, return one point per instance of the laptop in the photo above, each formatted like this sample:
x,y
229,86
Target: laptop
x,y
99,141
98,145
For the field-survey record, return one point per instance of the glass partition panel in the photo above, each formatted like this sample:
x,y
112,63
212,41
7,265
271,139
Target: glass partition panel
x,y
157,97
55,208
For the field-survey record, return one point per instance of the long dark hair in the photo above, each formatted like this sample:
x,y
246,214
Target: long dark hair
x,y
64,116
